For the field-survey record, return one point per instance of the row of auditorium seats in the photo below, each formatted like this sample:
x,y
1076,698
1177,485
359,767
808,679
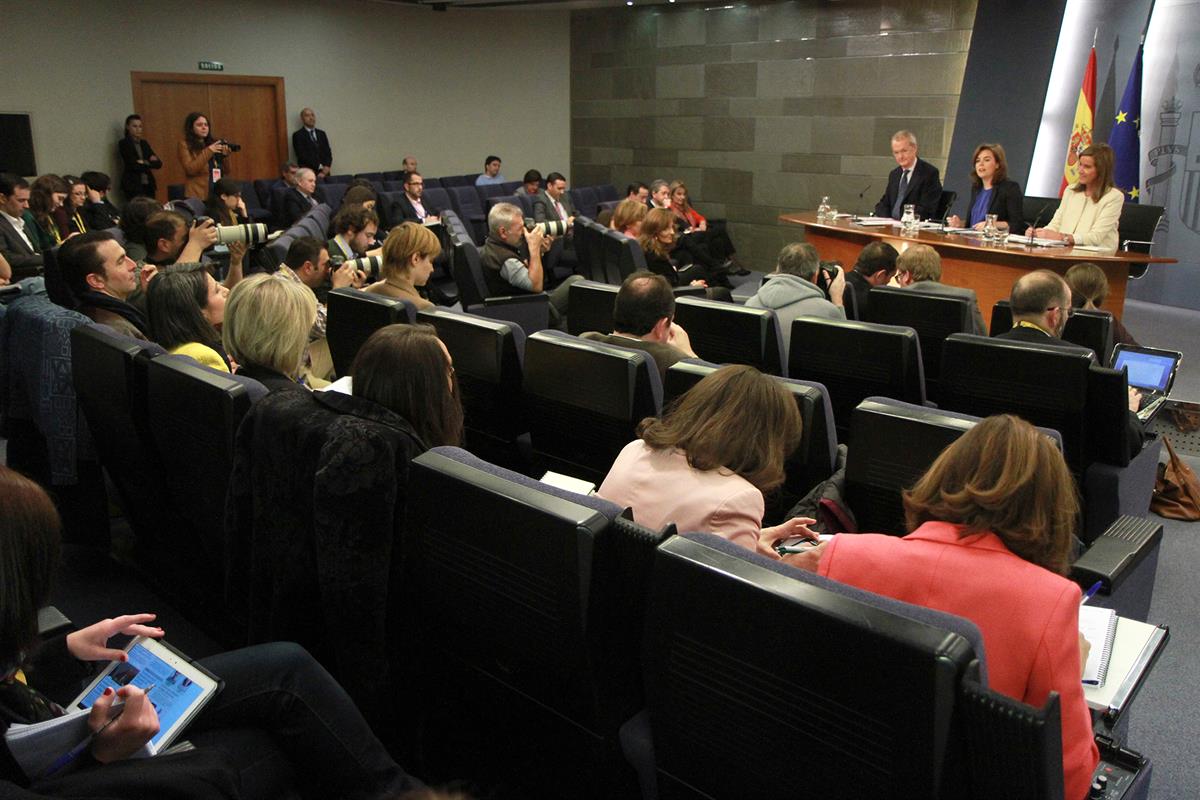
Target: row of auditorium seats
x,y
503,640
585,617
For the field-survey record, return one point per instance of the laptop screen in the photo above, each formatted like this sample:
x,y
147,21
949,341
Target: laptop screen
x,y
1146,370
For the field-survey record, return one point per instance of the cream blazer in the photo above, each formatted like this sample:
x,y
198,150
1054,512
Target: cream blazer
x,y
1090,223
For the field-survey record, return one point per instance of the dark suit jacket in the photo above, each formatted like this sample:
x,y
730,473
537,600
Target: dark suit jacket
x,y
1005,204
309,153
543,206
131,178
296,205
98,216
861,287
24,260
924,189
404,210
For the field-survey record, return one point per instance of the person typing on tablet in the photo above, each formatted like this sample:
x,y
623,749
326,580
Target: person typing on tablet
x,y
281,720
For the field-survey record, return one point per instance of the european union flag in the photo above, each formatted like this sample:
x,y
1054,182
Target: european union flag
x,y
1125,134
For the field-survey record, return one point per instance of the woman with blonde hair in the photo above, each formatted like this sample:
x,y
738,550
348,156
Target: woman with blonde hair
x,y
1090,212
266,329
991,529
408,254
698,468
628,216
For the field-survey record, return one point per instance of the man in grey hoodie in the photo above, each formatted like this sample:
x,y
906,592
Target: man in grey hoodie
x,y
792,291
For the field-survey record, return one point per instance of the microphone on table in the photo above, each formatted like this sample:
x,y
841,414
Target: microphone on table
x,y
860,197
1037,220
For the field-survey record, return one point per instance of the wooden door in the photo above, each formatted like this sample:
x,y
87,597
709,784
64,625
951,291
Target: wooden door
x,y
247,109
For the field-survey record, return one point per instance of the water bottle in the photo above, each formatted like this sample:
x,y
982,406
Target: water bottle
x,y
991,233
823,210
908,222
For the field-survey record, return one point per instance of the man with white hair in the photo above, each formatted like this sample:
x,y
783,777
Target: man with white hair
x,y
303,197
912,181
512,259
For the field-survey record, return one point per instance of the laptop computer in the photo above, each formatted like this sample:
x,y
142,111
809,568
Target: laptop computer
x,y
1151,371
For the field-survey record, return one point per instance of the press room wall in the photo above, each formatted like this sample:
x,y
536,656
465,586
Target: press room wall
x,y
763,108
385,80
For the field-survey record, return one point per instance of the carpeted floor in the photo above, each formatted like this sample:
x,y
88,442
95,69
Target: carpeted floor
x,y
1164,724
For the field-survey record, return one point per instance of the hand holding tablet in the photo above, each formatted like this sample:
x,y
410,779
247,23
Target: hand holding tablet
x,y
180,688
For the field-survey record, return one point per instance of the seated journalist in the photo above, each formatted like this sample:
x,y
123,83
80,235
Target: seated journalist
x,y
991,526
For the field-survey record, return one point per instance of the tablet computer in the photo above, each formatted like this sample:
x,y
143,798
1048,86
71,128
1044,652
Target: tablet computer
x,y
179,686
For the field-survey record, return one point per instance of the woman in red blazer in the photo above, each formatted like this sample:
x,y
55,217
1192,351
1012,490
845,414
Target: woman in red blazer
x,y
992,523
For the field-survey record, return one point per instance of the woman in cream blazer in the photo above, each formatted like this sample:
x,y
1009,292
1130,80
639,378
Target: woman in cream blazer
x,y
1090,211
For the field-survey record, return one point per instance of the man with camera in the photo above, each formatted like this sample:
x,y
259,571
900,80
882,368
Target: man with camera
x,y
512,259
169,239
312,145
796,288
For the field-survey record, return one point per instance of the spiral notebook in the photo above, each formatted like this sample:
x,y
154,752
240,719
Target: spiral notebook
x,y
1099,627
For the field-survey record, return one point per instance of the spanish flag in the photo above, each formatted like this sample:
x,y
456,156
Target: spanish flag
x,y
1081,131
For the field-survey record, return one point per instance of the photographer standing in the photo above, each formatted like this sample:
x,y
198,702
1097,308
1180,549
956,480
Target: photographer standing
x,y
201,156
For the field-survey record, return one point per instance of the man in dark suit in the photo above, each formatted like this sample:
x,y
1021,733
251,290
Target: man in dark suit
x,y
312,145
913,181
303,197
554,204
1041,306
411,207
875,266
18,241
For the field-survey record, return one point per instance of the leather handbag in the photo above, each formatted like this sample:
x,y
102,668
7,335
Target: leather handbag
x,y
1176,489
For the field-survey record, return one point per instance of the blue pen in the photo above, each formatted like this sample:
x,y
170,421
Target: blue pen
x,y
75,752
1091,592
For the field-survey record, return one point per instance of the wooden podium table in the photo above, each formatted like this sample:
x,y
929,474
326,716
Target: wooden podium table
x,y
989,270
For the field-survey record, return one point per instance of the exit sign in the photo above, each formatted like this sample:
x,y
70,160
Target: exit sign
x,y
212,66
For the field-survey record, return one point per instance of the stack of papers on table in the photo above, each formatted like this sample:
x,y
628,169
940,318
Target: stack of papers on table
x,y
1014,238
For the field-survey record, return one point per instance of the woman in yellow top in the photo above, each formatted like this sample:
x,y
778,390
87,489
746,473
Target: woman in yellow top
x,y
186,306
1090,212
408,255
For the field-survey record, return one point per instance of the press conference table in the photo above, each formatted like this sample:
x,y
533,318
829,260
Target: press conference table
x,y
989,270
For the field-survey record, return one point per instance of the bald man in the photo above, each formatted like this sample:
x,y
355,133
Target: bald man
x,y
312,145
1041,306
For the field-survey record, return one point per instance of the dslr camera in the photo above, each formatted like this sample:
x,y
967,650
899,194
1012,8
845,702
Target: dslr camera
x,y
825,275
233,146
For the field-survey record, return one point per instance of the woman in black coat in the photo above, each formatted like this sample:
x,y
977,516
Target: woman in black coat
x,y
140,162
992,193
280,719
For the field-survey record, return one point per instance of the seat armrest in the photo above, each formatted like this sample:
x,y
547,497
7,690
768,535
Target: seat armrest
x,y
1117,552
52,622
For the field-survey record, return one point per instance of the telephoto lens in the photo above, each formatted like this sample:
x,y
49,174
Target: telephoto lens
x,y
368,264
255,233
551,227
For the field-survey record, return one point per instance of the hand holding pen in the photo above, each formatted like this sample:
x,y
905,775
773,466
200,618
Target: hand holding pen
x,y
119,733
